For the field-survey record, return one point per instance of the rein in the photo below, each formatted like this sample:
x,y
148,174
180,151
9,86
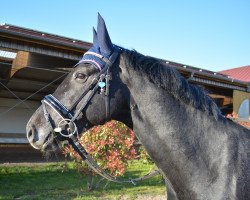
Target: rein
x,y
68,117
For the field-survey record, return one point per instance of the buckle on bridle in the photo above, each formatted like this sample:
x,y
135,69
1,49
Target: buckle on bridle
x,y
68,126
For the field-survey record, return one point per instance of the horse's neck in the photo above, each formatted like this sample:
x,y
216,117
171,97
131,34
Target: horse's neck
x,y
156,116
173,134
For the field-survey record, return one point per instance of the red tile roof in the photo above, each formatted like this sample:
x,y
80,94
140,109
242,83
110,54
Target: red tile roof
x,y
240,73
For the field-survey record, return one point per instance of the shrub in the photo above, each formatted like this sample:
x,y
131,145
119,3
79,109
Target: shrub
x,y
111,145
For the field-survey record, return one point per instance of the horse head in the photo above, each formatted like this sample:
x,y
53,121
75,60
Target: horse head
x,y
90,95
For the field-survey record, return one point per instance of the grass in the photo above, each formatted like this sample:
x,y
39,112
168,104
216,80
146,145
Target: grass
x,y
55,181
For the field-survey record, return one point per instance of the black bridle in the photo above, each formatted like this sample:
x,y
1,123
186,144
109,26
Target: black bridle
x,y
104,74
68,117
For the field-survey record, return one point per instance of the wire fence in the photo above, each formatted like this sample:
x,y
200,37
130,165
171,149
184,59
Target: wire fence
x,y
59,75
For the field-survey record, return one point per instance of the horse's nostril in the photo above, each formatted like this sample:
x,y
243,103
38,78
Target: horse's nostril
x,y
30,134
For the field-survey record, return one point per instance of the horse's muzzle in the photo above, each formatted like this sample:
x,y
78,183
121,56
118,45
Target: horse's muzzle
x,y
34,140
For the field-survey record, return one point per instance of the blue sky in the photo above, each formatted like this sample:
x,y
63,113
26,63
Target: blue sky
x,y
213,34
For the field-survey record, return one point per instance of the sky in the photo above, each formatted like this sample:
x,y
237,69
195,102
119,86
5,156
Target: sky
x,y
212,34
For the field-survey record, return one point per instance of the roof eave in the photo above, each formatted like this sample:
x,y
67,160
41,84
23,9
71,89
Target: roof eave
x,y
18,33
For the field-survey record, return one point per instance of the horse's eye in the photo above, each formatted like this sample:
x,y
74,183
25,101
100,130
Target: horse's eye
x,y
81,76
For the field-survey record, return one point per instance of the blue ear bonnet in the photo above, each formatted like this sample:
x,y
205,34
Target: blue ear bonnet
x,y
102,46
97,62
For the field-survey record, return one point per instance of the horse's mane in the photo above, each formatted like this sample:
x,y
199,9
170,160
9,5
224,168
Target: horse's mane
x,y
169,79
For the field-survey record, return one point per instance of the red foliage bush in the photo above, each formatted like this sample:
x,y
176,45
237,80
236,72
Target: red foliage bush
x,y
111,145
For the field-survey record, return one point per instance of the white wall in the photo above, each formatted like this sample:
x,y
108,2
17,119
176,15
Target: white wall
x,y
13,122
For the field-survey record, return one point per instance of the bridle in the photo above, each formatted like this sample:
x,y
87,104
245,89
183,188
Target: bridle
x,y
97,82
102,81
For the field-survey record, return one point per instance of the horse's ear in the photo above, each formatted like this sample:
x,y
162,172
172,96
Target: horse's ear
x,y
95,40
106,46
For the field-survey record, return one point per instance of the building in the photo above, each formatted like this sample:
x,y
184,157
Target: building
x,y
241,102
32,65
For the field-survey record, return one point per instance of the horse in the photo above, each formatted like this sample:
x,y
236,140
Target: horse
x,y
201,154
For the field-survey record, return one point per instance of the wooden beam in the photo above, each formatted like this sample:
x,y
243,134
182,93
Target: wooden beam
x,y
19,62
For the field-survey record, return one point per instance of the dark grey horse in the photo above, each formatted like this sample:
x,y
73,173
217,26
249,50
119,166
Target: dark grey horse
x,y
201,154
